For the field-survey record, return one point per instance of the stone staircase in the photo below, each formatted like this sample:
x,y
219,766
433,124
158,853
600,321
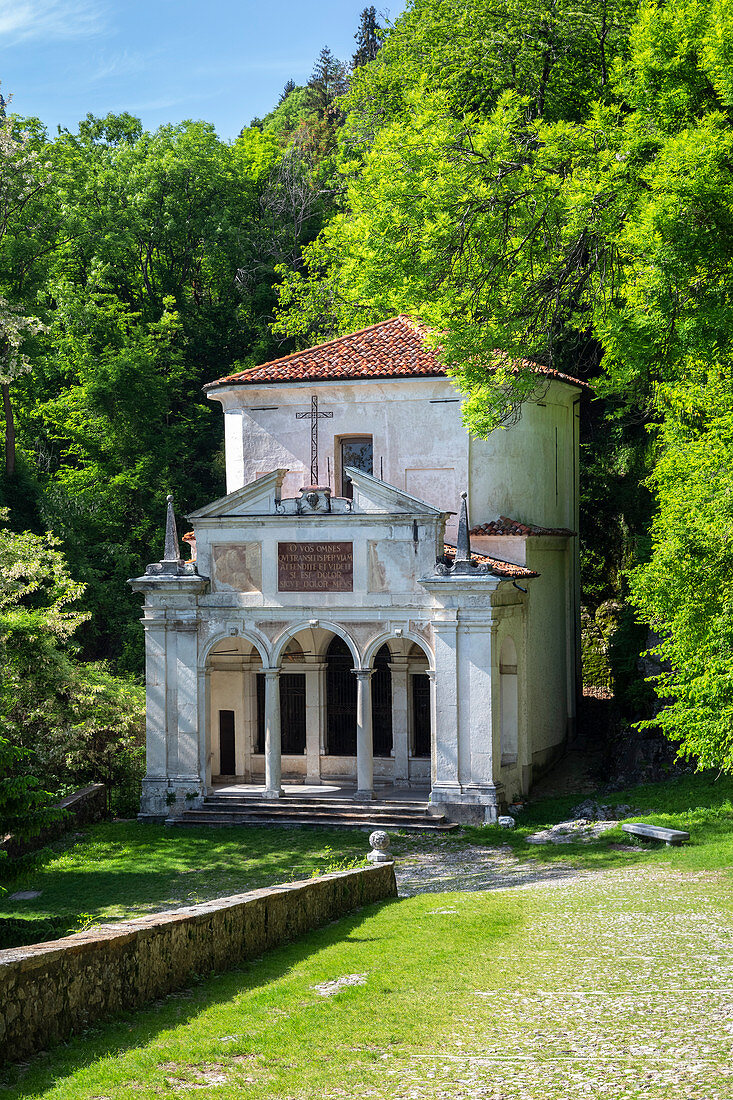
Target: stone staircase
x,y
232,808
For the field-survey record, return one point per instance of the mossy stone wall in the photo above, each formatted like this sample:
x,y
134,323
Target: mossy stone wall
x,y
50,990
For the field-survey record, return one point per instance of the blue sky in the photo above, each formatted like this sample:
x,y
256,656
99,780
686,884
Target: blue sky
x,y
165,60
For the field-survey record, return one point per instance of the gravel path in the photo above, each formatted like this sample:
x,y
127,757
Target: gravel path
x,y
422,869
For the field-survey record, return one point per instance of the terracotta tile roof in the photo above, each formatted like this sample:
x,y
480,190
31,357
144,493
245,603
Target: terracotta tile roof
x,y
505,526
390,349
500,568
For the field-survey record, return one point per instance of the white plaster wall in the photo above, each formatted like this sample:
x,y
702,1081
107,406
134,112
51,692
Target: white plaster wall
x,y
547,651
418,439
527,471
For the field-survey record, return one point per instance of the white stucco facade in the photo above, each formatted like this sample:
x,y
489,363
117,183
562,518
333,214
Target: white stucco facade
x,y
404,668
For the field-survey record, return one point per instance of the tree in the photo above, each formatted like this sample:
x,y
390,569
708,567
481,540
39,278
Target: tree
x,y
328,82
368,38
20,181
290,87
65,720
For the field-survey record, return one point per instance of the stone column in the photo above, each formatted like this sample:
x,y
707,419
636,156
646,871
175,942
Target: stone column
x,y
187,700
364,742
430,673
446,786
155,698
400,724
273,761
249,707
314,708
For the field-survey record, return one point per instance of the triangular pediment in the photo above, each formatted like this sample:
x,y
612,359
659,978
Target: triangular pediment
x,y
255,499
373,495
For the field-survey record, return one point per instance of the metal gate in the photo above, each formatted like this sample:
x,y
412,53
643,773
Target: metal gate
x,y
382,704
340,700
420,714
292,713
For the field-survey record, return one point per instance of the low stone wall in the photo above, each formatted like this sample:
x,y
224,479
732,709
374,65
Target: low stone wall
x,y
82,807
50,990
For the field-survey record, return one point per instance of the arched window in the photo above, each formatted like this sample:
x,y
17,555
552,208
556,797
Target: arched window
x,y
509,702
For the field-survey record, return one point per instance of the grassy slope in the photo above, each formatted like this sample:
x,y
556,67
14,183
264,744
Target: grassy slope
x,y
613,987
126,869
701,804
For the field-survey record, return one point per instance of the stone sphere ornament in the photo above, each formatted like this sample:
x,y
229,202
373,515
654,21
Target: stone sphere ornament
x,y
380,852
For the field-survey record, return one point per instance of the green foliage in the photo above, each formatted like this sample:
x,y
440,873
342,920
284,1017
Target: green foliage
x,y
24,807
684,590
69,721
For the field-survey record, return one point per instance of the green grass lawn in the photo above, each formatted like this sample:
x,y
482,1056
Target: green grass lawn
x,y
611,987
125,869
701,804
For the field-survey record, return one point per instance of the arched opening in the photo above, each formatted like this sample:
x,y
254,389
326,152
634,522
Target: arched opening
x,y
419,702
509,702
232,666
382,703
340,699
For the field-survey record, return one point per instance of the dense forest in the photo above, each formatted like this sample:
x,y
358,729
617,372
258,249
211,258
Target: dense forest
x,y
551,179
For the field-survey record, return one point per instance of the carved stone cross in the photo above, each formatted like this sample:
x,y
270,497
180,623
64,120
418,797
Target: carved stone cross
x,y
314,416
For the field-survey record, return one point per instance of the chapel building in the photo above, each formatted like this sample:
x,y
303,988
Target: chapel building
x,y
342,624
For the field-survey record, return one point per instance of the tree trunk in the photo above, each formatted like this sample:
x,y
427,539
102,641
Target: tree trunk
x,y
9,431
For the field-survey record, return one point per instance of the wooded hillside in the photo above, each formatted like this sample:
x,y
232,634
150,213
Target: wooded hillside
x,y
553,180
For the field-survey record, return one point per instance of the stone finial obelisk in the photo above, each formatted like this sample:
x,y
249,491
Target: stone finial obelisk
x,y
172,549
463,544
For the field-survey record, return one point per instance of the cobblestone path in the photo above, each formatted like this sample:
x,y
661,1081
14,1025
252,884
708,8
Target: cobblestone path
x,y
623,990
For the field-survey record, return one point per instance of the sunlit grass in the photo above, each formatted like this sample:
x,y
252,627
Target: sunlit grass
x,y
124,869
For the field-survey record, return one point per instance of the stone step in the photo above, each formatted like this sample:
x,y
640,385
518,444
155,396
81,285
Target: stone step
x,y
261,813
275,808
361,821
318,800
331,805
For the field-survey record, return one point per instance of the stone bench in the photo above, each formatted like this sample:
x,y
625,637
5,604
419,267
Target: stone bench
x,y
656,832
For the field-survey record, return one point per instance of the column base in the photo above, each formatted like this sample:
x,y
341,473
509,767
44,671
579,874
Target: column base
x,y
476,804
313,781
364,796
168,796
273,793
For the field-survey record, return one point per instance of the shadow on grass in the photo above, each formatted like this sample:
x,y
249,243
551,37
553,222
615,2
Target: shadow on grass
x,y
120,869
118,1033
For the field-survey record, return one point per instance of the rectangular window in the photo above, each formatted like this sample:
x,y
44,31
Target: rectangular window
x,y
355,451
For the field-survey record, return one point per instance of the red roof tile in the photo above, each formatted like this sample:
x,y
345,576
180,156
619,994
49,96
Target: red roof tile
x,y
505,526
500,568
390,349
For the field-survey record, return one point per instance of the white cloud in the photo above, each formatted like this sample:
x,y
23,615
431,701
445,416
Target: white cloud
x,y
50,19
121,64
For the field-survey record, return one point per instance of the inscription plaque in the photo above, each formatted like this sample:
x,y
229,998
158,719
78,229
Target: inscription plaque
x,y
315,566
